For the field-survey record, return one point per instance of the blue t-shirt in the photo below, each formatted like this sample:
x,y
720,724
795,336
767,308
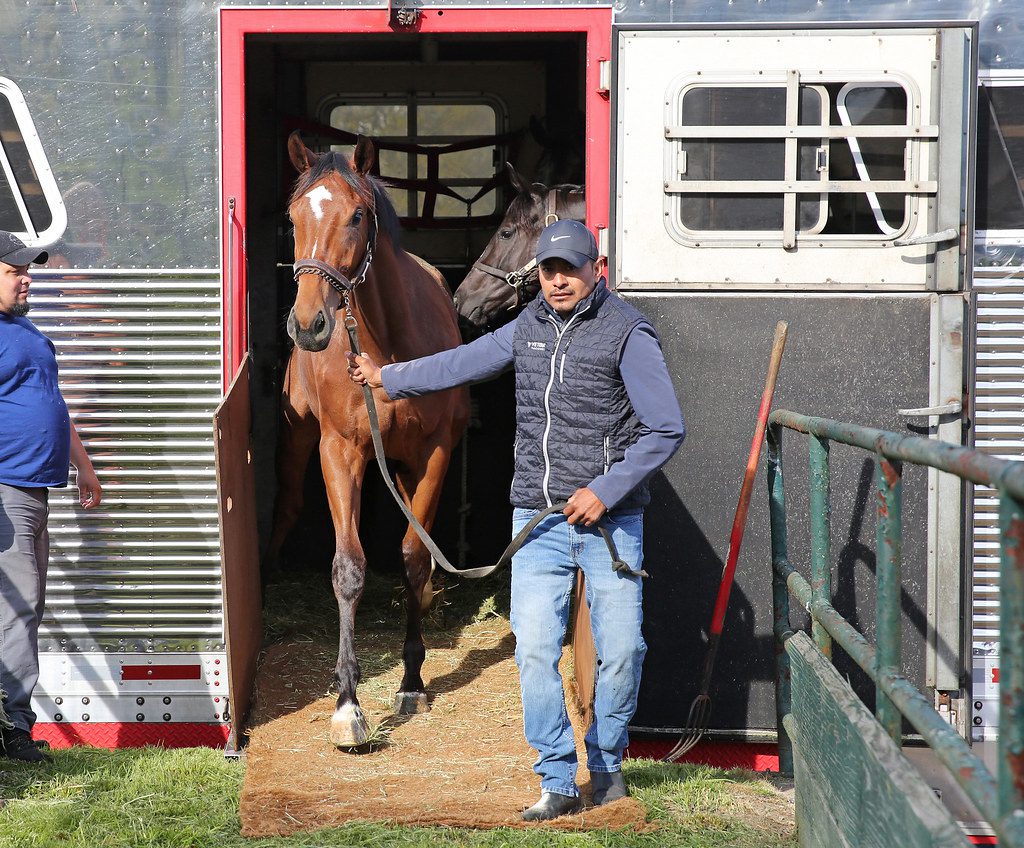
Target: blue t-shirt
x,y
35,431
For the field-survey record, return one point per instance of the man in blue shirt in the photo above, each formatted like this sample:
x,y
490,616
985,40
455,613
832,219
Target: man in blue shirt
x,y
596,416
37,443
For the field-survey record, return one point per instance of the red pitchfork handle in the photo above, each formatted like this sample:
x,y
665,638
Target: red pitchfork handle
x,y
740,520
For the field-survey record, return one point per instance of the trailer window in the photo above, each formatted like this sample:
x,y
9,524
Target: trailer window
x,y
30,202
1000,194
430,123
778,159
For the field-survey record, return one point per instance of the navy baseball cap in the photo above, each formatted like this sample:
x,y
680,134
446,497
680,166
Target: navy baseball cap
x,y
14,252
568,240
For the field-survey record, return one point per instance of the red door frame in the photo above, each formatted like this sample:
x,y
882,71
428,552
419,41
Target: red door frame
x,y
237,23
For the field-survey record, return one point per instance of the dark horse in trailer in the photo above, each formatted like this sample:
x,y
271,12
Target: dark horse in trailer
x,y
504,279
348,256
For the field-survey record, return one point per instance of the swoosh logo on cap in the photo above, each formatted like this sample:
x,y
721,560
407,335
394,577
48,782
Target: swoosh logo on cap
x,y
558,238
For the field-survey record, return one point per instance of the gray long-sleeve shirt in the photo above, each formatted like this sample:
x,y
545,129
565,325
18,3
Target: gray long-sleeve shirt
x,y
644,375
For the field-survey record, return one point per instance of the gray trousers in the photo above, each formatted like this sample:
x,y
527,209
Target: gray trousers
x,y
24,552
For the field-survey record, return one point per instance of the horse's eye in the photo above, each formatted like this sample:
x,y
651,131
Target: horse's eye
x,y
357,217
505,234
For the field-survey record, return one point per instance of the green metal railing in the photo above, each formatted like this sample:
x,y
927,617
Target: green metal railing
x,y
1000,801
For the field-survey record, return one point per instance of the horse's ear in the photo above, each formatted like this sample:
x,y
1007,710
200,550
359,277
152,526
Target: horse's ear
x,y
518,183
302,157
365,155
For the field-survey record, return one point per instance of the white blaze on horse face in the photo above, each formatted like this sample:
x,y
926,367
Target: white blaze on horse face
x,y
316,199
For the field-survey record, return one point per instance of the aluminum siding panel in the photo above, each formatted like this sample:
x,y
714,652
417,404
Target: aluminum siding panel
x,y
139,356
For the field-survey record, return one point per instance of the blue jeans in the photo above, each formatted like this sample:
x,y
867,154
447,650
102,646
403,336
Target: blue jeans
x,y
543,574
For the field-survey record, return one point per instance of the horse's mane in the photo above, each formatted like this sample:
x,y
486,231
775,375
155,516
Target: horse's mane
x,y
523,206
376,198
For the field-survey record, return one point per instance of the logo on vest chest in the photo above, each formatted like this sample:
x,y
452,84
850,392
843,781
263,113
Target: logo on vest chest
x,y
537,345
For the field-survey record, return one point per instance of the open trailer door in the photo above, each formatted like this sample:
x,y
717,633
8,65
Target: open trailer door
x,y
823,176
251,40
240,569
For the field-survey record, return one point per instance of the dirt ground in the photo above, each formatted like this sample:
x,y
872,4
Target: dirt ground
x,y
465,763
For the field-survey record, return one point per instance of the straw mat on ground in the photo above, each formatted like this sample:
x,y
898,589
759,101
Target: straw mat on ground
x,y
464,764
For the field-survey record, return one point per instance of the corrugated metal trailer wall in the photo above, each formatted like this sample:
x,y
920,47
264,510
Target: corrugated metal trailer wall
x,y
999,364
124,99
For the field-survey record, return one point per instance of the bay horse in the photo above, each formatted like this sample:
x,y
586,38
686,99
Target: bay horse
x,y
347,252
487,297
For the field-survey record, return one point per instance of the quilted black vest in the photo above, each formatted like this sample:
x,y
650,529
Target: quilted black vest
x,y
573,416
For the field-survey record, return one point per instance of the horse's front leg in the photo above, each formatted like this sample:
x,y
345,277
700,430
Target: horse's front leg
x,y
343,466
422,490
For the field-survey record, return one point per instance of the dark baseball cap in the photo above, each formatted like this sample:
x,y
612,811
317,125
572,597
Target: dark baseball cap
x,y
14,252
568,240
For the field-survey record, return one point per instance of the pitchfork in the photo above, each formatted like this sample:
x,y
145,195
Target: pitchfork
x,y
700,709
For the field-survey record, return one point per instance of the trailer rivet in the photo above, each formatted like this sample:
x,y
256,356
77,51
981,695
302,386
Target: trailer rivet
x,y
140,717
978,705
85,716
58,701
140,701
167,716
58,717
167,700
978,721
85,700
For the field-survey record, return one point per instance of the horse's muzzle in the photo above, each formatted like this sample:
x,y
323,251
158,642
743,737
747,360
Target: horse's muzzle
x,y
313,338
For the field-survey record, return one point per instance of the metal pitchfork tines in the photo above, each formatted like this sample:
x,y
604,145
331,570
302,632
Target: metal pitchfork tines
x,y
700,709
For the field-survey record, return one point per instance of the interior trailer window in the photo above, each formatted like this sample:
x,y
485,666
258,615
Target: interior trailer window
x,y
433,123
755,160
30,202
1000,190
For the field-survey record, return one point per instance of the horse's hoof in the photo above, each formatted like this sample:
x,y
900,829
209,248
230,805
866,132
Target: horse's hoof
x,y
410,703
348,727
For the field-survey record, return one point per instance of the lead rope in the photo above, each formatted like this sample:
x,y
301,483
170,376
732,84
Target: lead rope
x,y
618,564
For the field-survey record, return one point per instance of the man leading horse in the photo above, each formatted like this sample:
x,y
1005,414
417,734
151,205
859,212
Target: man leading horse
x,y
596,416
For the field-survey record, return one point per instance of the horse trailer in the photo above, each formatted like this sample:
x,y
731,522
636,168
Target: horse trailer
x,y
854,169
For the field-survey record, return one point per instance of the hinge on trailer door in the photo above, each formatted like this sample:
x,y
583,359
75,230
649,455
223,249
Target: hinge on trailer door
x,y
604,77
952,707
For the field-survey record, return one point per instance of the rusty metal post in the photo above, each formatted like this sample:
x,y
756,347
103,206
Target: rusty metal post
x,y
889,576
780,595
1011,656
821,536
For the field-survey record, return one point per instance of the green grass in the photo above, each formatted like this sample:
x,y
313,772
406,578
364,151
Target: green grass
x,y
188,798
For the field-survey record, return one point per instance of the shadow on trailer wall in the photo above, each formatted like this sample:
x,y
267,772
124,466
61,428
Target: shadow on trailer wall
x,y
413,93
718,377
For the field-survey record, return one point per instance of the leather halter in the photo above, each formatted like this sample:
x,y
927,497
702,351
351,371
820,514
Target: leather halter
x,y
519,278
338,280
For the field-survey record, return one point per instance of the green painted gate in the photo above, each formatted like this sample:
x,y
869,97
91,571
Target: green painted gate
x,y
853,785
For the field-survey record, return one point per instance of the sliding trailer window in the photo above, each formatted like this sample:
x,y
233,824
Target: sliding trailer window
x,y
787,157
30,202
468,170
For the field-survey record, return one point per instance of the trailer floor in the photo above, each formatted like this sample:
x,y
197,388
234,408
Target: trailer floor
x,y
464,764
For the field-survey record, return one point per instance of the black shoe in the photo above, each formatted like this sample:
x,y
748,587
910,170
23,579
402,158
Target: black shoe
x,y
608,786
552,805
17,744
